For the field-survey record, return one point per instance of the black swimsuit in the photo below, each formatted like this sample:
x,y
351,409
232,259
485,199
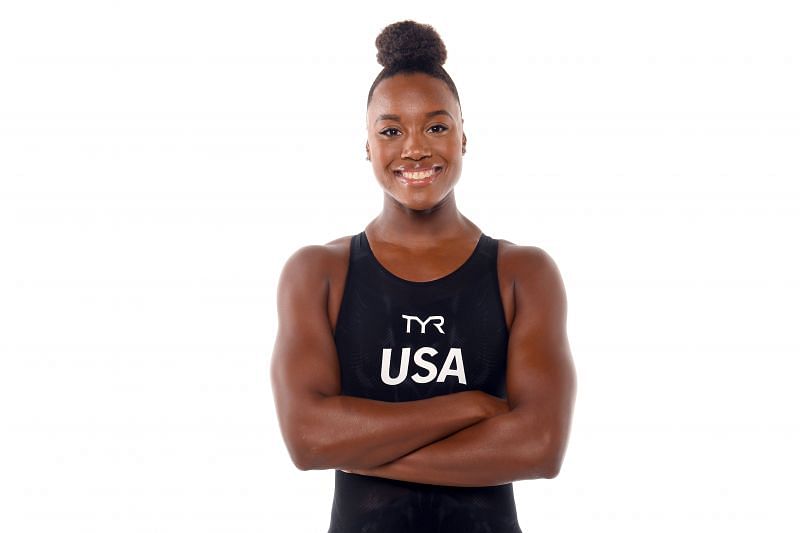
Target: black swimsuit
x,y
400,340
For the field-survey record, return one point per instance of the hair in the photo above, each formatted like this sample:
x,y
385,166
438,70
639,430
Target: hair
x,y
407,47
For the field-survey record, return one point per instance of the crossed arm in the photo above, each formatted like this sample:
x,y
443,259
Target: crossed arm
x,y
529,441
445,440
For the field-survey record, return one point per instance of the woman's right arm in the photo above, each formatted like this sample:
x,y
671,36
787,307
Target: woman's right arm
x,y
321,427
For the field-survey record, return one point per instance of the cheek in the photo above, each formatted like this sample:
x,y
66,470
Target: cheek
x,y
451,145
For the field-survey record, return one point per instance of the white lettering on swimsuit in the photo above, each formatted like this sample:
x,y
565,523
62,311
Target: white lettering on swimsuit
x,y
452,366
439,319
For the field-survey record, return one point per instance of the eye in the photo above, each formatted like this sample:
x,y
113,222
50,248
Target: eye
x,y
387,130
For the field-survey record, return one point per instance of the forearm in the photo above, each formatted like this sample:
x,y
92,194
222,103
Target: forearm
x,y
348,432
494,451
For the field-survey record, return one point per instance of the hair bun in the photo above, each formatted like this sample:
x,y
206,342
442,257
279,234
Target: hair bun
x,y
410,43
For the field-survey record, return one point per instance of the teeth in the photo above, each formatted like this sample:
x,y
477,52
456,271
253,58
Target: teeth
x,y
419,175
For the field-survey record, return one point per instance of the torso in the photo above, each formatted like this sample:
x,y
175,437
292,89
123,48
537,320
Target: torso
x,y
459,343
405,268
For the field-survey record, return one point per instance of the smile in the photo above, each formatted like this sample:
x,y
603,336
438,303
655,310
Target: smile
x,y
423,177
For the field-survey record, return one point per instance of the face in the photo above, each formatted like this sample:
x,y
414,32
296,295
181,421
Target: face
x,y
414,123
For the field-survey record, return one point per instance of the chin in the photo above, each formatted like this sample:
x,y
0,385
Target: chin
x,y
421,205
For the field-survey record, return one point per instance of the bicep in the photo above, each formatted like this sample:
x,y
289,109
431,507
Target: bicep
x,y
541,378
304,366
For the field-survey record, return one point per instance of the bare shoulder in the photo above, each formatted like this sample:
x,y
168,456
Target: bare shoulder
x,y
523,262
319,262
531,279
315,274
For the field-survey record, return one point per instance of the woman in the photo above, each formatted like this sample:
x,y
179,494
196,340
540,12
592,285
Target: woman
x,y
424,361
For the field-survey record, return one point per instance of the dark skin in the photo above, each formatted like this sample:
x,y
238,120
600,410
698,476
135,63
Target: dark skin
x,y
464,439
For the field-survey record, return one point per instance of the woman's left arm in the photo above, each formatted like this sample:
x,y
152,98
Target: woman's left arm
x,y
530,440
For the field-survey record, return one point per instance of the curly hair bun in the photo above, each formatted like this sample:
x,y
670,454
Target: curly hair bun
x,y
410,43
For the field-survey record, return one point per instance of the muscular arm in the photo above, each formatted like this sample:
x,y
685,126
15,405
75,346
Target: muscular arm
x,y
322,428
530,440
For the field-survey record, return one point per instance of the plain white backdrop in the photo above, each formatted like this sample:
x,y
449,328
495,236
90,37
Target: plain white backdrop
x,y
159,161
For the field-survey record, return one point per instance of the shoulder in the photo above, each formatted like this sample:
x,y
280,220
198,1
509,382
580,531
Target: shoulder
x,y
317,261
523,262
534,277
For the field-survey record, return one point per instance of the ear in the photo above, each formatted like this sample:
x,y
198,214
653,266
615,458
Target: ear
x,y
463,142
368,154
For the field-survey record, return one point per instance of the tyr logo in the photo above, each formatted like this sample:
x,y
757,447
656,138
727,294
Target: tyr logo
x,y
453,365
438,322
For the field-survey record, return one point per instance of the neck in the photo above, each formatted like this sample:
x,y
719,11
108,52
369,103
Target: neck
x,y
398,223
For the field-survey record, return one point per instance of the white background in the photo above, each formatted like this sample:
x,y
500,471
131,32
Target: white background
x,y
160,160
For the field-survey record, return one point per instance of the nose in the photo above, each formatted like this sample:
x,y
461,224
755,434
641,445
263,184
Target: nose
x,y
415,147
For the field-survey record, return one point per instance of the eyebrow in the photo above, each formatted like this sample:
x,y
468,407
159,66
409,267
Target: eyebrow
x,y
427,115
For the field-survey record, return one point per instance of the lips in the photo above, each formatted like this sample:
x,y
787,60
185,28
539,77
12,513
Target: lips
x,y
417,172
419,177
417,169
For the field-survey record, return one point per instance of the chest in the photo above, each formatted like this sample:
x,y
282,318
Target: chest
x,y
396,344
339,273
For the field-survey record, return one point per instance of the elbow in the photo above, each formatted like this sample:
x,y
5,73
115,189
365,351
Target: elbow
x,y
298,445
304,436
303,460
550,466
309,445
297,453
546,462
308,456
552,471
543,468
555,457
300,460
